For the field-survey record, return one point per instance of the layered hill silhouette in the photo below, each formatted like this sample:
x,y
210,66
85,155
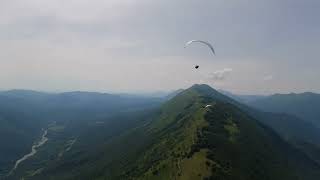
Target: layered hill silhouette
x,y
305,105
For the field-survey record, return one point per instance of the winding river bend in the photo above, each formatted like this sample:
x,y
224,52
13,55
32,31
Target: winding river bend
x,y
42,141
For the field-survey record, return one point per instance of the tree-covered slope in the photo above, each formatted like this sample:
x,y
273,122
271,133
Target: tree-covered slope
x,y
23,115
18,130
183,139
219,142
297,131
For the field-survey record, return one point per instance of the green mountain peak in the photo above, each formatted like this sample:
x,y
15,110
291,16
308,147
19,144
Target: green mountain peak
x,y
216,142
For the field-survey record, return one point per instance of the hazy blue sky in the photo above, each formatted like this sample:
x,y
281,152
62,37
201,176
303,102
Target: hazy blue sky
x,y
262,46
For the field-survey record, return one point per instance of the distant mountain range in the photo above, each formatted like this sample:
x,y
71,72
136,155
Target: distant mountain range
x,y
24,113
305,105
197,133
242,98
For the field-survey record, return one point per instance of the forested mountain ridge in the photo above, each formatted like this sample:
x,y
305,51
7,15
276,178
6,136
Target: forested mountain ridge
x,y
24,114
304,105
197,134
292,127
217,142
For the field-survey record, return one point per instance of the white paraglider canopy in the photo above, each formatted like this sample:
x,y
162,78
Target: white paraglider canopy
x,y
203,42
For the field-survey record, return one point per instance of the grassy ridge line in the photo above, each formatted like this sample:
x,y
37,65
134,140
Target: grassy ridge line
x,y
222,142
176,132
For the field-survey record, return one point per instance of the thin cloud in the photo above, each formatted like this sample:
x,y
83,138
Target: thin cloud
x,y
220,75
268,78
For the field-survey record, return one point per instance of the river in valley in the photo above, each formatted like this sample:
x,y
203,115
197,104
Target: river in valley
x,y
34,148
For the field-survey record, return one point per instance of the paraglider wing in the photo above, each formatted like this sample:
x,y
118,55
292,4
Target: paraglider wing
x,y
203,42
